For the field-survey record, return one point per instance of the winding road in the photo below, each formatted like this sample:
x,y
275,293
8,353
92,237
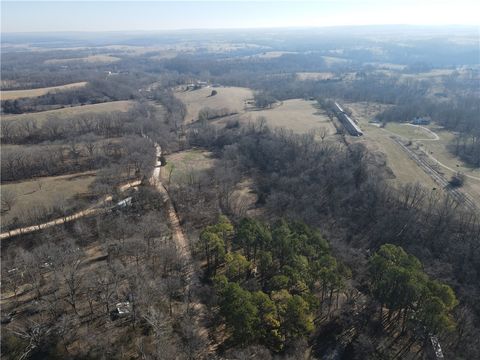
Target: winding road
x,y
436,138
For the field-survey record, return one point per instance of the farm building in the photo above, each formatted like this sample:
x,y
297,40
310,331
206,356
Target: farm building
x,y
421,121
349,124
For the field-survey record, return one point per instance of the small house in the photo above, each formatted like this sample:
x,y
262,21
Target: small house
x,y
420,121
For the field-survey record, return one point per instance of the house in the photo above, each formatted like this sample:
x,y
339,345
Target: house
x,y
420,121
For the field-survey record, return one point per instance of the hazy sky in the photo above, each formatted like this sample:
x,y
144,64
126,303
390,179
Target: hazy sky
x,y
32,16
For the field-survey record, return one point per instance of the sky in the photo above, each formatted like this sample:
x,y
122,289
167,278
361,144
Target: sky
x,y
66,15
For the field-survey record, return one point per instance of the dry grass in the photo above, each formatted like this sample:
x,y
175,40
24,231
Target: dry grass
x,y
405,169
315,75
269,54
105,59
297,115
409,132
332,60
18,94
183,165
123,105
45,192
232,98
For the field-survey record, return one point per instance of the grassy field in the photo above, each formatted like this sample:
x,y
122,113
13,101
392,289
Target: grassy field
x,y
269,55
105,59
297,115
182,166
410,132
315,75
45,192
232,98
378,140
18,94
39,117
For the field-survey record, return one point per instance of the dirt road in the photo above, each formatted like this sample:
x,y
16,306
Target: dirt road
x,y
93,210
181,241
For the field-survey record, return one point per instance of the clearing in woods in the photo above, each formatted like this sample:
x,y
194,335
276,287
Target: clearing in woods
x,y
184,166
44,192
315,75
18,94
298,115
39,117
232,98
105,59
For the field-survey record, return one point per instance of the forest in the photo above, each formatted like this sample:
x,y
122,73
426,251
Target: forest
x,y
220,235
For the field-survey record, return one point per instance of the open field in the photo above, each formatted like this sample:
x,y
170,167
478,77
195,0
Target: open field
x,y
269,55
45,192
315,75
183,165
429,143
232,98
18,94
332,60
297,115
122,105
106,59
378,140
410,132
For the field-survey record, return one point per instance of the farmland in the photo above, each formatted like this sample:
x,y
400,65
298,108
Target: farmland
x,y
377,139
18,94
45,193
40,117
300,116
315,75
182,167
201,196
232,98
105,59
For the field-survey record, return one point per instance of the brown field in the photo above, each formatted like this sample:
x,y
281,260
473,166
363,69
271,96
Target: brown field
x,y
410,132
123,105
297,115
315,75
332,60
378,140
269,54
183,165
106,59
232,98
18,94
45,192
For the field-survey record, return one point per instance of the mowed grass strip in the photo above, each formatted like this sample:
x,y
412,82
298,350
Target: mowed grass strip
x,y
39,117
44,192
18,94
